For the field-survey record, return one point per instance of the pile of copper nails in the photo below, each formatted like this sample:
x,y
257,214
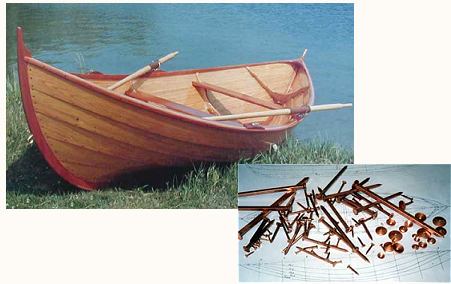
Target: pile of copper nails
x,y
296,217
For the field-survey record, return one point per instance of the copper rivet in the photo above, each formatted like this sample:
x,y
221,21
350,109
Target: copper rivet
x,y
422,244
420,216
388,247
398,248
408,224
403,229
381,231
415,246
423,233
441,231
395,236
381,255
439,221
431,241
391,221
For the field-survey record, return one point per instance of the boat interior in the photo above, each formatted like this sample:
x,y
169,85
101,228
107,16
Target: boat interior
x,y
222,91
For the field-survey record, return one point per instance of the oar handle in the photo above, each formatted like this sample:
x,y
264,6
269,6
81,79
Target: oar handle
x,y
144,70
276,112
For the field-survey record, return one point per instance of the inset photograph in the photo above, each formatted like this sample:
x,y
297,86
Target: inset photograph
x,y
344,223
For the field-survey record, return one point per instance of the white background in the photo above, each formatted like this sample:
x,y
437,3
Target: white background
x,y
402,115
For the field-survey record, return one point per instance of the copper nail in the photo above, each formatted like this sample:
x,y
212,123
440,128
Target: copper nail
x,y
395,236
340,218
381,255
324,244
381,230
439,221
307,199
261,216
352,269
420,216
263,208
372,245
371,204
361,242
278,225
343,234
431,241
334,179
367,231
292,188
398,247
248,254
402,205
343,183
312,253
257,235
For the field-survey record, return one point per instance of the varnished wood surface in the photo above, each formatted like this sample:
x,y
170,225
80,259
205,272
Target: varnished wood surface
x,y
96,138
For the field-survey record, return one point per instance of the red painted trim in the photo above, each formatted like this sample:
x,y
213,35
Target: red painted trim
x,y
33,123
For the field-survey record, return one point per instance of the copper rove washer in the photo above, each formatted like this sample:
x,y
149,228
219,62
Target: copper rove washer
x,y
423,233
395,236
388,247
431,241
381,255
381,230
420,216
422,244
391,221
408,224
415,246
403,229
398,247
441,231
439,221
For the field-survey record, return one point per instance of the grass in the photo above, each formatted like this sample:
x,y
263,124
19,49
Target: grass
x,y
31,183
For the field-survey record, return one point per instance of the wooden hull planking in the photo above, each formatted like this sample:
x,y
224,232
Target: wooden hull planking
x,y
90,135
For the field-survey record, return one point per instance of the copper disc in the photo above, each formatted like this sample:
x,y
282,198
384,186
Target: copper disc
x,y
423,233
420,216
439,221
408,224
381,230
381,255
403,229
441,231
388,247
391,221
395,236
423,244
398,248
415,246
431,241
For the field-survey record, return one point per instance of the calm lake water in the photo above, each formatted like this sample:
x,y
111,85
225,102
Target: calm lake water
x,y
122,38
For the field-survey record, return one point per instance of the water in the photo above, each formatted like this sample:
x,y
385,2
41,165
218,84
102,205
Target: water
x,y
122,38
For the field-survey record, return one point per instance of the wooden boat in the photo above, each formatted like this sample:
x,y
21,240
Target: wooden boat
x,y
90,135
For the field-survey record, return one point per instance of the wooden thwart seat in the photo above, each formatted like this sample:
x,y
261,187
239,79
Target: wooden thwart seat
x,y
234,94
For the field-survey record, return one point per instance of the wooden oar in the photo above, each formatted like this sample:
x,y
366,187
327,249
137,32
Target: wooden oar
x,y
144,70
284,111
